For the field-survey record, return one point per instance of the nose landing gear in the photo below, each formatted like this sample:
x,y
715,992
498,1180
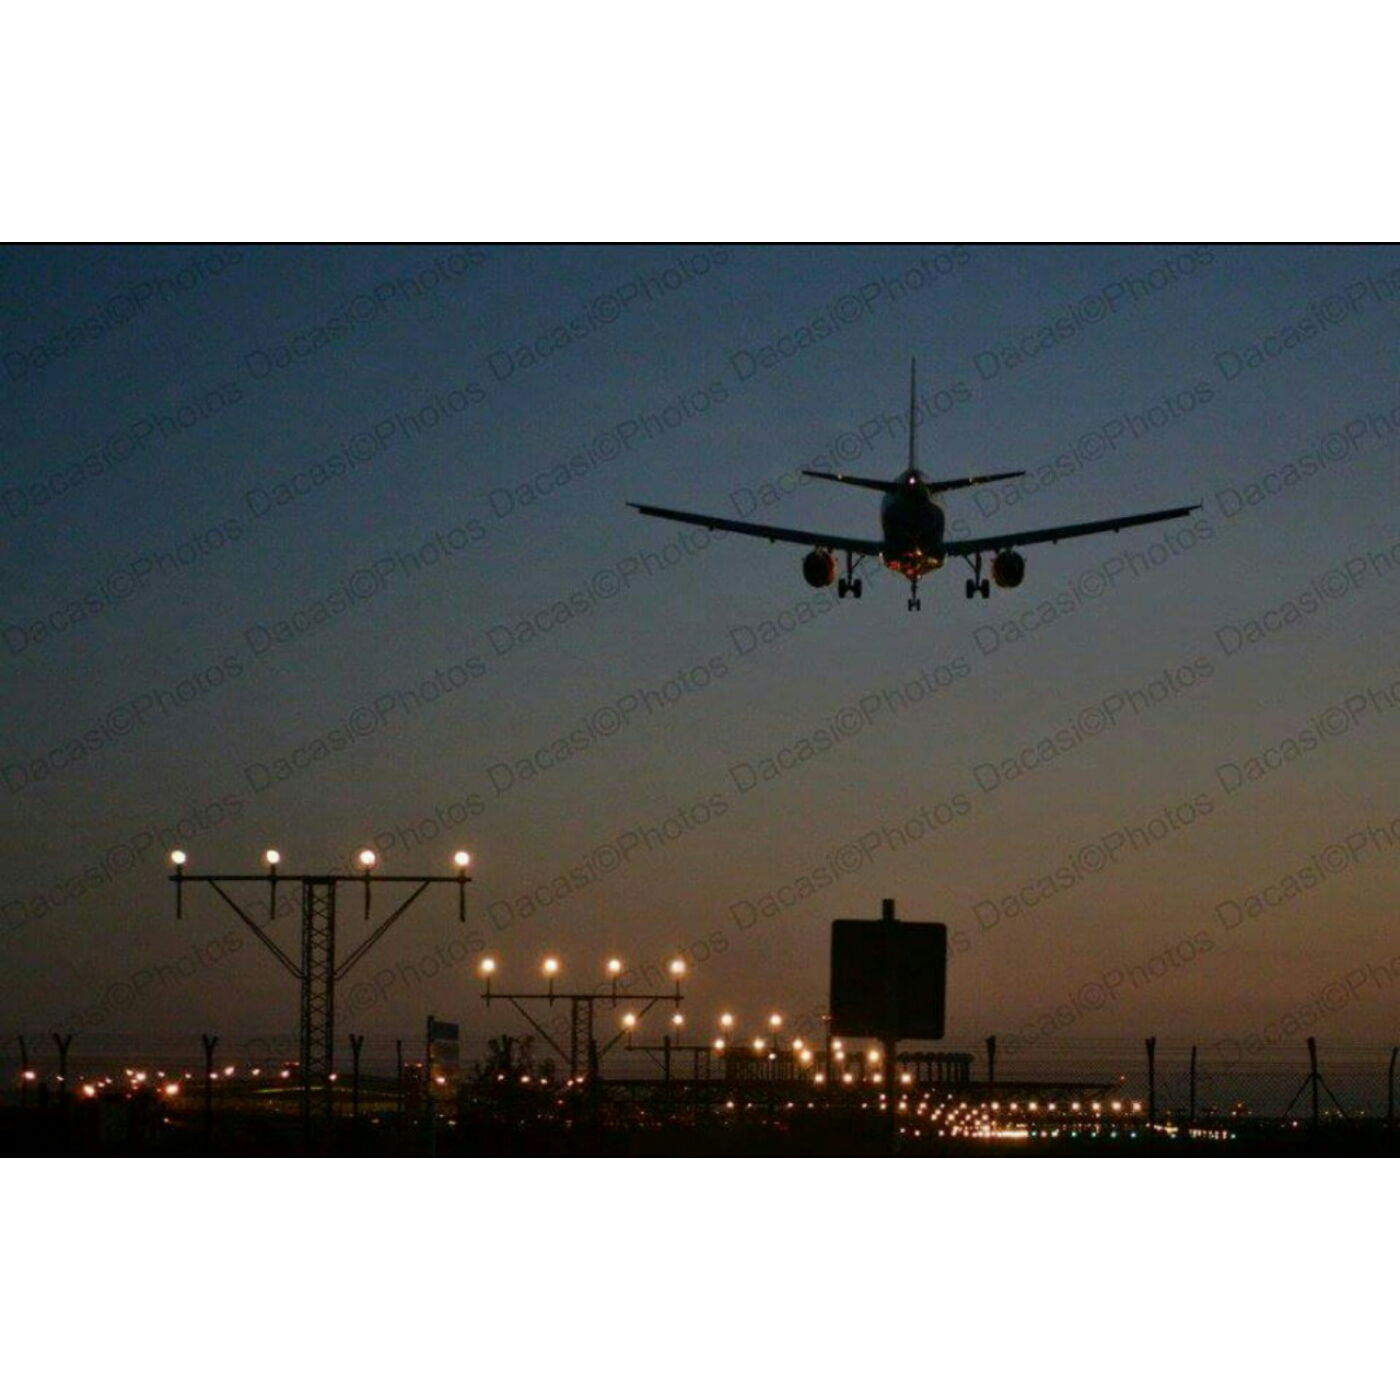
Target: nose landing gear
x,y
977,584
915,604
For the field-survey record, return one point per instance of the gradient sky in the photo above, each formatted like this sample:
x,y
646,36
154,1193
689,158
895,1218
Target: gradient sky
x,y
659,377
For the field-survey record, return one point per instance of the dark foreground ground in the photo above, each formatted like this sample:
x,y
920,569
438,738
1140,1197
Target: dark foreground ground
x,y
532,1130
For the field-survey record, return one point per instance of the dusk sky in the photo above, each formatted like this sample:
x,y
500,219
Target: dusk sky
x,y
319,548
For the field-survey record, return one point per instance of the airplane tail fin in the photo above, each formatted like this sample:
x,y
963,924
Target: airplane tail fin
x,y
952,483
913,429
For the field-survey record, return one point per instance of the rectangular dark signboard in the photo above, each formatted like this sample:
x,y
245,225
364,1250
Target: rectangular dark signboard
x,y
888,978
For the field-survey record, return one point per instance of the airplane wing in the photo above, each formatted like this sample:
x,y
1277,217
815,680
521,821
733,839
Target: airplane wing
x,y
765,532
991,543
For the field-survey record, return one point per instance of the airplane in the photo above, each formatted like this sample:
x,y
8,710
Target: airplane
x,y
912,523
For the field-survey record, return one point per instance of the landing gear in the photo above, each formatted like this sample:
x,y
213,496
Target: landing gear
x,y
915,605
977,584
850,584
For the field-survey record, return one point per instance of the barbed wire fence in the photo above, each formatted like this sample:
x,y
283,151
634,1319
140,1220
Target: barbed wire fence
x,y
1230,1077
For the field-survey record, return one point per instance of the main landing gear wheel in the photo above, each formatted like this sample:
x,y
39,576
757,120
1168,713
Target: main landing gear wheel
x,y
916,605
850,585
985,588
857,586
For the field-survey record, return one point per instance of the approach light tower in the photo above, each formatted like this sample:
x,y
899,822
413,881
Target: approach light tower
x,y
318,971
584,1054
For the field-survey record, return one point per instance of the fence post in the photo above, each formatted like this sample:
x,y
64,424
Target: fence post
x,y
991,1062
1151,1080
357,1043
1191,1116
398,1083
63,1042
1312,1068
1390,1097
211,1043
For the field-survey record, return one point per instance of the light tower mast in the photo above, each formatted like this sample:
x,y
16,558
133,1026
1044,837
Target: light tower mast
x,y
317,972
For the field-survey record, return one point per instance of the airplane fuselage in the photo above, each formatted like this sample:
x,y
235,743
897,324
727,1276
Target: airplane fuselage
x,y
911,525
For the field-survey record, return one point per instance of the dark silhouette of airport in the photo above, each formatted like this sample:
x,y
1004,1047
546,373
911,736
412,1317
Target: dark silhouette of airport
x,y
789,1088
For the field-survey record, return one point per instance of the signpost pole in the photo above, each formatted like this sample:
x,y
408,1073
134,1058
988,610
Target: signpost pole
x,y
892,1086
888,983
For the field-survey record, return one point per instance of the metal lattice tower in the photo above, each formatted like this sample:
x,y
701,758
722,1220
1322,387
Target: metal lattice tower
x,y
317,987
580,1037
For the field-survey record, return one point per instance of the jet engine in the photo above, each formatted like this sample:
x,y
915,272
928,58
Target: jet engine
x,y
1009,569
819,568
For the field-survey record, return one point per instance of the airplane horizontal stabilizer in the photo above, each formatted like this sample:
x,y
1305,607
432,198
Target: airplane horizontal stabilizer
x,y
869,482
956,483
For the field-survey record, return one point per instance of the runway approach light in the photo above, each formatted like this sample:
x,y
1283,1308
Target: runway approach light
x,y
178,857
614,967
272,857
368,858
486,966
462,859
